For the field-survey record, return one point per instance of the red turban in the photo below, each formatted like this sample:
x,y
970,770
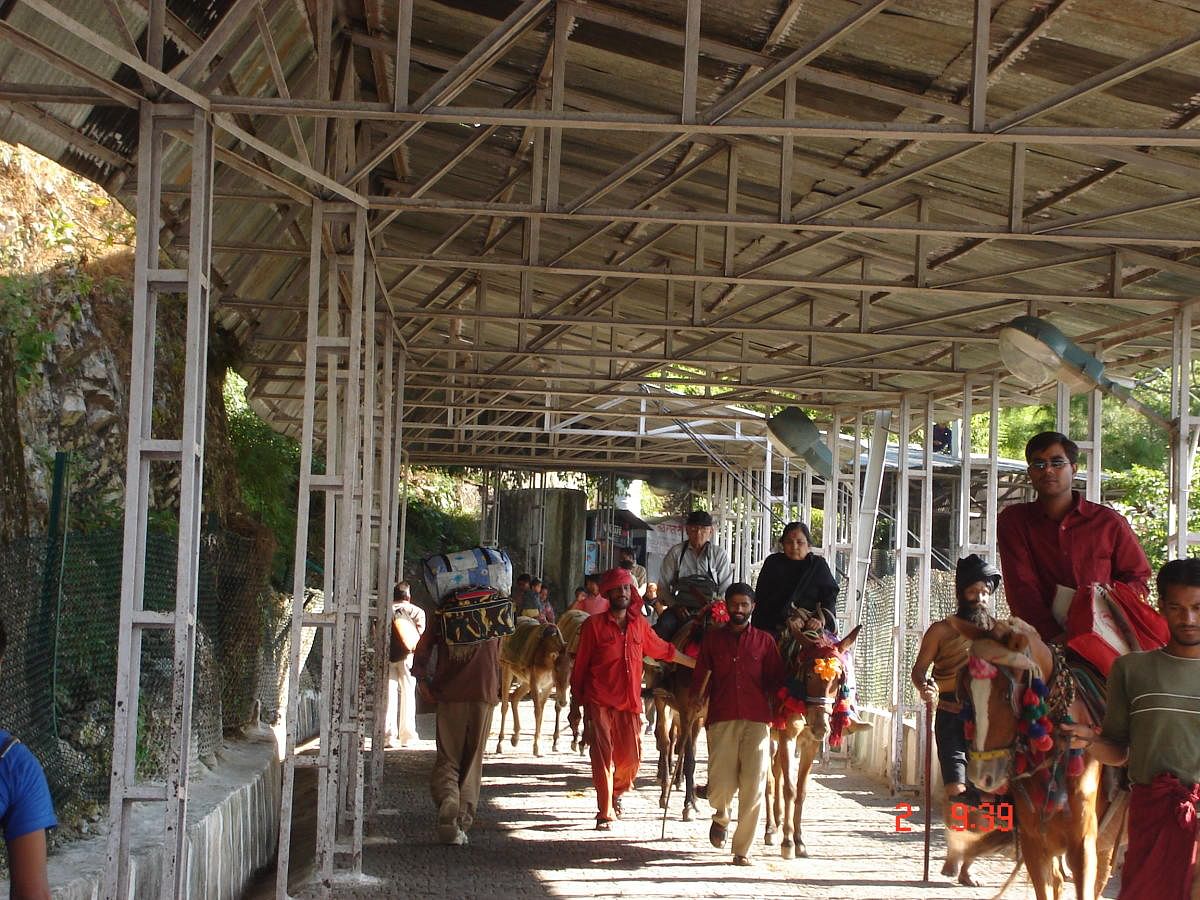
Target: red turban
x,y
614,578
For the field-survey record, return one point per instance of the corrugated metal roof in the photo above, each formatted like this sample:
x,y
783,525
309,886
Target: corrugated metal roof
x,y
790,332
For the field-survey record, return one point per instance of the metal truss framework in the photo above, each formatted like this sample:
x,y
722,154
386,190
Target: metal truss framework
x,y
163,129
523,271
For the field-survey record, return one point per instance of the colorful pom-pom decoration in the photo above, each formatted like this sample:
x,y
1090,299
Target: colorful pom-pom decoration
x,y
981,668
1075,763
827,668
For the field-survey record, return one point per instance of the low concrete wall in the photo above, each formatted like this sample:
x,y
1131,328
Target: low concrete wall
x,y
233,830
870,751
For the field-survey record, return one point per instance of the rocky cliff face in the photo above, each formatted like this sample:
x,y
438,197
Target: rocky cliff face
x,y
76,400
66,271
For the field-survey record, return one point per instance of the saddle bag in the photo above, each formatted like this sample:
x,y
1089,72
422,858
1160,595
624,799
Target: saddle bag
x,y
476,614
694,591
479,567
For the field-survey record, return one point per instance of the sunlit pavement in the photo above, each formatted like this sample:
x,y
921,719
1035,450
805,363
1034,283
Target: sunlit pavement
x,y
535,838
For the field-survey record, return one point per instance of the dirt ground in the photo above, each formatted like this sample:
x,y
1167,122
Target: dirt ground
x,y
535,839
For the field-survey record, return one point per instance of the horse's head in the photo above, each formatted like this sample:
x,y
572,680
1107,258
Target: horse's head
x,y
551,646
1002,664
820,665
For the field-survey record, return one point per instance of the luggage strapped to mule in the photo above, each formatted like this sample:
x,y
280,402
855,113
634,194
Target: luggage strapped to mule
x,y
475,614
695,591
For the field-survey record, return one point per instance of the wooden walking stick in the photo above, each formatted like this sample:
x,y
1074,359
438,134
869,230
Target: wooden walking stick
x,y
928,777
679,763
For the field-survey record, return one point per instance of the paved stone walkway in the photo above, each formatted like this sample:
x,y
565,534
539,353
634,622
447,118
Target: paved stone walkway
x,y
534,839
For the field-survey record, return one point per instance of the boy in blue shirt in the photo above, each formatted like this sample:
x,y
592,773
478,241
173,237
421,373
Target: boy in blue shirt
x,y
25,813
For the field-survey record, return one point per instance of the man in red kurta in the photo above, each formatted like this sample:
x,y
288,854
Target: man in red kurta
x,y
1064,544
607,680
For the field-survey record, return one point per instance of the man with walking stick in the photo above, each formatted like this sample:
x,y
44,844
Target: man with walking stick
x,y
943,648
743,670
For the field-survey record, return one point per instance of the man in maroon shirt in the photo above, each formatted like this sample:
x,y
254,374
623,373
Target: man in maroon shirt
x,y
465,683
607,680
1061,545
744,671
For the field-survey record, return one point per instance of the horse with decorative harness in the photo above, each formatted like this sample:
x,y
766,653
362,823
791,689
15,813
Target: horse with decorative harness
x,y
680,712
1018,690
812,707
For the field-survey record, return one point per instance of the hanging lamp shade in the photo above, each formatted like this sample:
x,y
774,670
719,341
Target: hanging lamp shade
x,y
795,434
1037,353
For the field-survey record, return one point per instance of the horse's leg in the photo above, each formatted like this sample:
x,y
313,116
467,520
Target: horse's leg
x,y
520,692
505,697
1038,862
662,738
788,816
575,720
1081,828
539,706
808,755
689,770
771,814
557,717
787,810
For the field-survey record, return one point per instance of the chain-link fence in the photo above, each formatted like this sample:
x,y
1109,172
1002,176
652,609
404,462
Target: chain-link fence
x,y
879,663
61,610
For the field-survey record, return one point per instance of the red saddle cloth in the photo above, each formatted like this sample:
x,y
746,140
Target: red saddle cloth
x,y
1161,859
1109,620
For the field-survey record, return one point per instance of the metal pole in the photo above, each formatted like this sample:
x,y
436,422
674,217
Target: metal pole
x,y
142,448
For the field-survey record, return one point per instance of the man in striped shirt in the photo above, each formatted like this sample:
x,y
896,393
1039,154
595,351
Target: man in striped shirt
x,y
1153,726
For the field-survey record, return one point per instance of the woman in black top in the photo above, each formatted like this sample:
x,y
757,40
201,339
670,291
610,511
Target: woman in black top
x,y
796,577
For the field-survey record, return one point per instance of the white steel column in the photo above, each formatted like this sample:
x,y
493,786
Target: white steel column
x,y
338,763
1090,445
900,596
151,281
985,546
829,524
1180,537
906,553
765,529
489,520
867,516
384,561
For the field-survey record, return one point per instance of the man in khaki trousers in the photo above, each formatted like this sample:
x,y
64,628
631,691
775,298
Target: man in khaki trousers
x,y
743,671
465,684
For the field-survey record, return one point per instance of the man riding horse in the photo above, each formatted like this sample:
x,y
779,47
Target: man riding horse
x,y
694,572
1057,549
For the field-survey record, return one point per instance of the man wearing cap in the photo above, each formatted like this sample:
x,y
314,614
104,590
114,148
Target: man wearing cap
x,y
742,668
942,647
607,680
697,556
408,620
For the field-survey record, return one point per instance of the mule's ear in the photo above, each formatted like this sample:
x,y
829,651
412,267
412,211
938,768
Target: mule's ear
x,y
848,641
967,629
1000,655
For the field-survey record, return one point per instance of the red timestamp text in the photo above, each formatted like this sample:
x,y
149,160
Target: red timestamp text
x,y
981,819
